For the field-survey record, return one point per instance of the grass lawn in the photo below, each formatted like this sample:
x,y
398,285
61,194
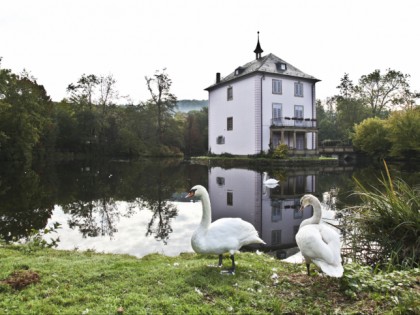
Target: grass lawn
x,y
48,281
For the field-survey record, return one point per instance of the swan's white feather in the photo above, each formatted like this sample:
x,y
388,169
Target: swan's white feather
x,y
269,181
320,243
224,235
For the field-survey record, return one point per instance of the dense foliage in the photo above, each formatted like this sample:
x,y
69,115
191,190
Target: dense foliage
x,y
385,227
90,123
376,95
396,136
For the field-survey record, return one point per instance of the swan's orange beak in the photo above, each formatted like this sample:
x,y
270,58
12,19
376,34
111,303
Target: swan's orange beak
x,y
190,194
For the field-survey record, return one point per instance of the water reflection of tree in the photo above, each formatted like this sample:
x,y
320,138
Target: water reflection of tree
x,y
160,223
26,201
93,218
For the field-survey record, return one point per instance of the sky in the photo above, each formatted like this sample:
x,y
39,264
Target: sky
x,y
58,41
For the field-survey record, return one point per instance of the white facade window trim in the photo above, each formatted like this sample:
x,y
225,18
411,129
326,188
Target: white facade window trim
x,y
277,86
229,93
229,123
299,89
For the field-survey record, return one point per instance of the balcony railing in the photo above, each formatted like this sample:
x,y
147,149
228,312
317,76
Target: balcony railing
x,y
293,122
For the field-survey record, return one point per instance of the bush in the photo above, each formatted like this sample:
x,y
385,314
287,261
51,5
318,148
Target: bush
x,y
281,151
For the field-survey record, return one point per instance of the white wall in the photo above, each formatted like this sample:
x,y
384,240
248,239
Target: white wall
x,y
240,140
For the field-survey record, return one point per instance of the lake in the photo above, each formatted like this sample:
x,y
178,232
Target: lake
x,y
139,207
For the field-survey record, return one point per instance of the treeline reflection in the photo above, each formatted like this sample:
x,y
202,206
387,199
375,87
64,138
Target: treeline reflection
x,y
96,195
89,191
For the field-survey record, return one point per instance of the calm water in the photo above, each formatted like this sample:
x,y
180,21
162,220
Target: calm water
x,y
140,208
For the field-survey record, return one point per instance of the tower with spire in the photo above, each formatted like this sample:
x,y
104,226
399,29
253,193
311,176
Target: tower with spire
x,y
258,51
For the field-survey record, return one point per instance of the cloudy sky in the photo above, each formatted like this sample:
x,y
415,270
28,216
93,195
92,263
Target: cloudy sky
x,y
58,41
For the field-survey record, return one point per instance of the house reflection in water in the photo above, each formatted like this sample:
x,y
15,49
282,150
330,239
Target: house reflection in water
x,y
273,211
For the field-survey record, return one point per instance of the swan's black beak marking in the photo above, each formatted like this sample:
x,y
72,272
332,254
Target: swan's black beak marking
x,y
191,193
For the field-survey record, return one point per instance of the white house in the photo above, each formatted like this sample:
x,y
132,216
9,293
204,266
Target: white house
x,y
260,105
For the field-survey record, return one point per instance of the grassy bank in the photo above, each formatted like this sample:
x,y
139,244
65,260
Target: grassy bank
x,y
47,281
252,162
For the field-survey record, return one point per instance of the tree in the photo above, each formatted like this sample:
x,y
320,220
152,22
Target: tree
x,y
370,137
83,91
404,133
196,132
327,121
25,116
162,100
350,108
380,92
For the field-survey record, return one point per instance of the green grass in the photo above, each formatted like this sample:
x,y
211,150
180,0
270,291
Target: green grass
x,y
72,282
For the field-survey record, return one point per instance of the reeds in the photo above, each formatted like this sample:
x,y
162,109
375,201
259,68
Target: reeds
x,y
384,230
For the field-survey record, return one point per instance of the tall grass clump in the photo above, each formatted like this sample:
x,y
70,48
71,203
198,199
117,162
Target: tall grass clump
x,y
386,225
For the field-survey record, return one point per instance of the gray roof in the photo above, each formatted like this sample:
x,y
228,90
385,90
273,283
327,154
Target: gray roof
x,y
267,64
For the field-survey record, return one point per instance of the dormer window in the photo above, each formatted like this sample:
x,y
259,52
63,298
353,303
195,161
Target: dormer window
x,y
239,70
281,66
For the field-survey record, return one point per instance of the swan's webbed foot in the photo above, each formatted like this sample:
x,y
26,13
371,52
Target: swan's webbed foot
x,y
230,271
219,265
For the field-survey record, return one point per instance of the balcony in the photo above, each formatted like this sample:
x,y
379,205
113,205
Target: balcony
x,y
294,122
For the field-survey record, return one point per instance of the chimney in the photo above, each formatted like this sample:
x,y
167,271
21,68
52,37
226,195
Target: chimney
x,y
217,77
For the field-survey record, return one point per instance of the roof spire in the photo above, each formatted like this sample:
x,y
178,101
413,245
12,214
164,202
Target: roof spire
x,y
258,49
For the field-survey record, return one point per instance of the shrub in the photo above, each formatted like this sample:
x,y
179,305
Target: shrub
x,y
281,151
388,223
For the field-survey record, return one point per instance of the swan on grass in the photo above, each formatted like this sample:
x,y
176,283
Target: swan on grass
x,y
269,181
223,235
319,243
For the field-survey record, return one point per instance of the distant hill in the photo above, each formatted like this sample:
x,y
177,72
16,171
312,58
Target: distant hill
x,y
188,105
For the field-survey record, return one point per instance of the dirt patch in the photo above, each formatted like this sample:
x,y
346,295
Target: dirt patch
x,y
20,279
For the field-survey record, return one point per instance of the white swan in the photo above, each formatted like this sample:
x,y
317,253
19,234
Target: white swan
x,y
319,243
223,235
269,181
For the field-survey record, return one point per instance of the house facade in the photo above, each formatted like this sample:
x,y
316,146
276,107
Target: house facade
x,y
260,105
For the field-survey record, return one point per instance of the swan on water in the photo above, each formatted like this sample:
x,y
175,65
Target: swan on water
x,y
223,235
319,243
269,181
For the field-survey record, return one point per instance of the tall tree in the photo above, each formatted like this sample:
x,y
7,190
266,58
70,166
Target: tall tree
x,y
82,92
381,92
25,115
162,99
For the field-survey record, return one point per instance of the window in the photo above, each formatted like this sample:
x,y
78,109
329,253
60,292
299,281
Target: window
x,y
276,112
229,93
220,181
275,237
220,140
230,123
297,214
299,89
299,115
281,66
229,198
239,70
277,86
276,211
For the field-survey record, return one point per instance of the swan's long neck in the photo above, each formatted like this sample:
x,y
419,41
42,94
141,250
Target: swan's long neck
x,y
316,217
206,217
